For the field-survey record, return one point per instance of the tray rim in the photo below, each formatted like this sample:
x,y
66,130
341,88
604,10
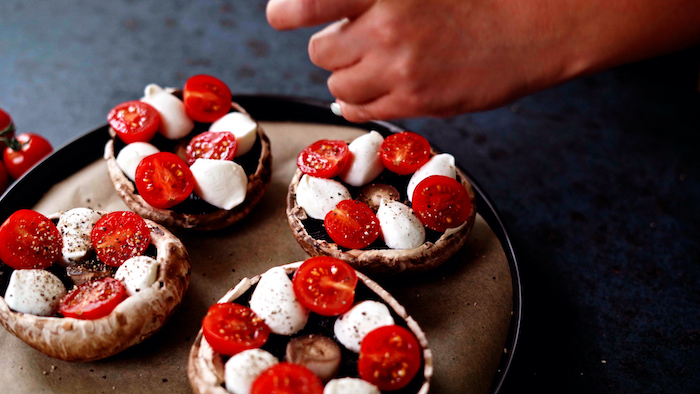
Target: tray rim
x,y
26,191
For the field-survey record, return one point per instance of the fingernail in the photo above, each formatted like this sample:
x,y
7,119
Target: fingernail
x,y
335,108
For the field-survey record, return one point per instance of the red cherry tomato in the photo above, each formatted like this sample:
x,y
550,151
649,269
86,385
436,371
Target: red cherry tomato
x,y
164,180
352,224
287,378
93,300
24,152
405,152
325,285
206,98
7,128
4,178
324,158
441,202
117,236
134,121
29,239
212,145
390,357
231,328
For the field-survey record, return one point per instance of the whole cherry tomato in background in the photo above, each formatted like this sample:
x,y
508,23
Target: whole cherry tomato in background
x,y
7,128
24,151
4,178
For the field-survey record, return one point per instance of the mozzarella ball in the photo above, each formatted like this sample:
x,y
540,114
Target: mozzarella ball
x,y
221,183
400,227
352,327
241,370
137,273
243,127
365,161
350,386
175,123
275,302
442,164
131,155
318,196
75,226
36,292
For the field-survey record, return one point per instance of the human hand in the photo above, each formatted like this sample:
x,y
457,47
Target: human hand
x,y
405,58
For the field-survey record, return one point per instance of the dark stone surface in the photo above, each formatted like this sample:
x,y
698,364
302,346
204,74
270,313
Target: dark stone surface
x,y
597,180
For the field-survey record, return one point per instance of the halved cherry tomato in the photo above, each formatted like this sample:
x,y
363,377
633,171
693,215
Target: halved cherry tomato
x,y
287,378
7,129
212,145
441,202
405,152
93,300
118,236
206,98
29,239
24,152
164,180
231,328
325,285
352,224
134,121
390,357
324,158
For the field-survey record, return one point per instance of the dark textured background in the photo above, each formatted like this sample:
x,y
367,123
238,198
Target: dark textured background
x,y
597,180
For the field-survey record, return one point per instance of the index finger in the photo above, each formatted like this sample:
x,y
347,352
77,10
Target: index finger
x,y
291,14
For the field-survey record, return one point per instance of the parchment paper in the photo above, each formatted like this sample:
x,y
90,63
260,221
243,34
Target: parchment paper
x,y
464,306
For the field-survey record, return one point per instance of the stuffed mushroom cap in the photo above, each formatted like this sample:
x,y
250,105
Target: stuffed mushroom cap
x,y
136,318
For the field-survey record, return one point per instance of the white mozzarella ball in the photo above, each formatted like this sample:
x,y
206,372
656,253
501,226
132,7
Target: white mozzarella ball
x,y
221,183
365,160
400,227
350,386
275,302
131,155
318,196
442,164
352,327
243,127
33,291
75,226
137,273
241,370
175,123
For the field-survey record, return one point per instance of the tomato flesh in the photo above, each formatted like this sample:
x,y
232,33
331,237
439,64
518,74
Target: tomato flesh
x,y
287,378
24,152
118,236
324,158
441,202
212,145
206,98
231,328
325,285
390,357
164,180
28,240
93,300
405,152
352,224
134,121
